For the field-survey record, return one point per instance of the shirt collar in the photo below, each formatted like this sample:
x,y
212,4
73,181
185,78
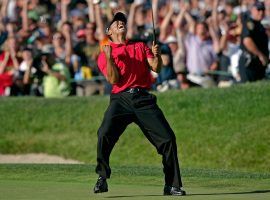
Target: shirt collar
x,y
119,45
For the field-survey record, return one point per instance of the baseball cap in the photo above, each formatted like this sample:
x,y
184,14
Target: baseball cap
x,y
26,48
76,13
81,33
259,5
119,16
171,39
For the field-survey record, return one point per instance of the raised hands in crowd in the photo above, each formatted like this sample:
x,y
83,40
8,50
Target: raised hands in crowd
x,y
203,43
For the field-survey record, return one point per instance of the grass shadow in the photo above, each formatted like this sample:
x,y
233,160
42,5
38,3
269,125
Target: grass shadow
x,y
228,193
204,194
131,196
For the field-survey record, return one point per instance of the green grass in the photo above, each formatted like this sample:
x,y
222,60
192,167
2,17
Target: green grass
x,y
33,182
215,128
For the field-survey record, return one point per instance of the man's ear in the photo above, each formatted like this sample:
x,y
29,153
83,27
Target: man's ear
x,y
108,32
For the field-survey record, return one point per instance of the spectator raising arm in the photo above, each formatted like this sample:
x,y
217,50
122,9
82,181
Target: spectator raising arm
x,y
91,12
180,17
13,55
3,64
165,23
68,43
64,10
3,31
99,22
25,23
4,8
213,35
130,28
215,21
191,22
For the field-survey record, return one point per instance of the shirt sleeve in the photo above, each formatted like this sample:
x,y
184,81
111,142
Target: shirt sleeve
x,y
102,64
248,26
148,51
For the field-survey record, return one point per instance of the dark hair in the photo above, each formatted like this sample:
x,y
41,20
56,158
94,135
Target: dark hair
x,y
26,48
204,24
67,23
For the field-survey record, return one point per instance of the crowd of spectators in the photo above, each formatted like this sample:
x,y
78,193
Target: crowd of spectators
x,y
50,47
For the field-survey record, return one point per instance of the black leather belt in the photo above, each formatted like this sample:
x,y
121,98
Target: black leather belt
x,y
134,90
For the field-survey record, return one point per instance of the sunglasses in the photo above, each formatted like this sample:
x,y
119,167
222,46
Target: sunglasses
x,y
57,37
90,28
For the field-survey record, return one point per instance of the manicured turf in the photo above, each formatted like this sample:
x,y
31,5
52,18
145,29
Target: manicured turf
x,y
215,128
64,182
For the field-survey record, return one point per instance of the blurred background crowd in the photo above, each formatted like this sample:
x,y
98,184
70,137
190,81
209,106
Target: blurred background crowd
x,y
50,47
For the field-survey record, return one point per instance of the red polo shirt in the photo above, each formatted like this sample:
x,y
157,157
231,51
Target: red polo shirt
x,y
131,60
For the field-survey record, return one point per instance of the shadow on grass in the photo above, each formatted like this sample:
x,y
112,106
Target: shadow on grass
x,y
205,194
147,195
227,193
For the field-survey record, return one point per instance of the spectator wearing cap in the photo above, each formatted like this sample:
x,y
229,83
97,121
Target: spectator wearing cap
x,y
166,77
254,44
23,76
77,19
176,47
76,16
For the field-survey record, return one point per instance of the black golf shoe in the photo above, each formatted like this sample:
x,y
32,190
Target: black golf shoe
x,y
101,185
168,190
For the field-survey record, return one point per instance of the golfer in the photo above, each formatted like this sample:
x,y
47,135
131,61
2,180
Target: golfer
x,y
126,65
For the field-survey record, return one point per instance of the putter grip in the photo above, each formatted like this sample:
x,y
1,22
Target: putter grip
x,y
154,36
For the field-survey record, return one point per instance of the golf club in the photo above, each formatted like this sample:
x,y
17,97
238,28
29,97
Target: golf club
x,y
154,31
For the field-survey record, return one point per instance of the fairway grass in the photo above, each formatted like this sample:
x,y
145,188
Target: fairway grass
x,y
74,182
214,128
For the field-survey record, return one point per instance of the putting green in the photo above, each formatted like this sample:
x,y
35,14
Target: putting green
x,y
36,190
75,182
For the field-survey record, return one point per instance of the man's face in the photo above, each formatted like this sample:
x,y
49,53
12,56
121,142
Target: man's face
x,y
201,30
257,14
173,46
117,28
90,29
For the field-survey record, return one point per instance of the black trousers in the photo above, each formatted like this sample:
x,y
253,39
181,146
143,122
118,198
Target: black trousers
x,y
141,108
252,71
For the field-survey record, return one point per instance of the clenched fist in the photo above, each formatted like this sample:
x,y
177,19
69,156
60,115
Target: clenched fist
x,y
155,49
108,51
